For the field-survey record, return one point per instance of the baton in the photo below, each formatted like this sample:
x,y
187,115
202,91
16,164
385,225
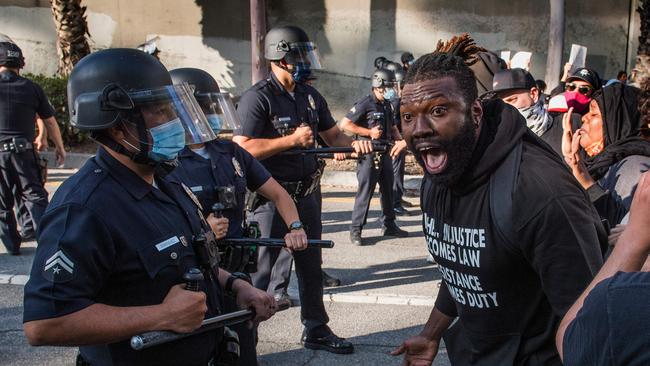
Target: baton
x,y
154,338
272,242
331,150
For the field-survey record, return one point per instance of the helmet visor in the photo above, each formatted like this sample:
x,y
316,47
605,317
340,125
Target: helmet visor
x,y
175,101
221,105
304,53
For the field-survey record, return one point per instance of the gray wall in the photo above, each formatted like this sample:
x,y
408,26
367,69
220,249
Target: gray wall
x,y
215,35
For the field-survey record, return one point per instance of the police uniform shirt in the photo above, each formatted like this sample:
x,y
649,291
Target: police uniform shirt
x,y
109,237
229,165
20,100
267,108
361,114
509,297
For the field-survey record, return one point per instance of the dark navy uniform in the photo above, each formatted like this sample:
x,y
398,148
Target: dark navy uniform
x,y
399,162
20,101
109,237
369,172
228,166
267,110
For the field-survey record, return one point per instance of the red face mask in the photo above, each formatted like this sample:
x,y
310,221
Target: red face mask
x,y
578,101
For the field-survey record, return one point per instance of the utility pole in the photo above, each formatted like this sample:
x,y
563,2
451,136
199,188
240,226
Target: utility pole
x,y
259,67
555,44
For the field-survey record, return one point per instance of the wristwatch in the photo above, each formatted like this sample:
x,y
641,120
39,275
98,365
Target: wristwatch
x,y
296,225
236,276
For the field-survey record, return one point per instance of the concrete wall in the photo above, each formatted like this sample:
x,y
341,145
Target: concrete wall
x,y
215,35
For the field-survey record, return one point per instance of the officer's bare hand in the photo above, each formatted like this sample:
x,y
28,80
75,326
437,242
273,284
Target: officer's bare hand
x,y
219,226
418,351
296,240
397,149
303,136
375,133
40,143
362,147
249,297
60,156
340,156
183,310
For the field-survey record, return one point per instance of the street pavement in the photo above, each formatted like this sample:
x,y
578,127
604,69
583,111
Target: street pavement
x,y
387,293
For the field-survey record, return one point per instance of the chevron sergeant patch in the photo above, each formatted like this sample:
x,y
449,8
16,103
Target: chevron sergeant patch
x,y
58,268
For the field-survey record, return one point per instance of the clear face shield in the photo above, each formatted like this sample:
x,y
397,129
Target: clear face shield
x,y
304,53
219,111
173,118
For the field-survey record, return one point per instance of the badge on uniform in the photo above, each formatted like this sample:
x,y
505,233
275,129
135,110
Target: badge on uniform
x,y
58,268
353,110
237,167
312,104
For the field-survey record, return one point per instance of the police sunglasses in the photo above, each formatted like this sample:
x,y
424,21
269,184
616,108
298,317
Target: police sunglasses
x,y
582,89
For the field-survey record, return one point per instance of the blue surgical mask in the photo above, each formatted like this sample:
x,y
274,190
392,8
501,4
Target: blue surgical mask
x,y
301,72
168,141
389,94
215,121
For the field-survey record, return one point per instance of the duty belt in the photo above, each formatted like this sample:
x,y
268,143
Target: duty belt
x,y
16,145
301,188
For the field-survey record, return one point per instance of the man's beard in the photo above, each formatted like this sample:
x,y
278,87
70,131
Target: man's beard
x,y
459,154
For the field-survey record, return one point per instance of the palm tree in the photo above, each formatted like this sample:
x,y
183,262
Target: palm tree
x,y
642,68
71,28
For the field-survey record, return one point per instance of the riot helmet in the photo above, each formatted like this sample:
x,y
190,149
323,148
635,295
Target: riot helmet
x,y
291,44
129,87
380,62
392,66
385,81
217,106
400,75
407,58
10,54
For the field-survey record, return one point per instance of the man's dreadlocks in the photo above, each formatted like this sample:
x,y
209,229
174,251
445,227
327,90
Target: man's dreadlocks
x,y
451,58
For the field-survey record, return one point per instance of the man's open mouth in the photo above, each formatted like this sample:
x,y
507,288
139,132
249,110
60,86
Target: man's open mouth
x,y
435,158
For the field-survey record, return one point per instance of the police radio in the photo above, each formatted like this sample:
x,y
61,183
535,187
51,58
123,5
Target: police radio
x,y
227,196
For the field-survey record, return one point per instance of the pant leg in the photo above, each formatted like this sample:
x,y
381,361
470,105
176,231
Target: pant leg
x,y
247,343
308,267
8,226
22,215
398,178
29,177
386,189
367,177
273,264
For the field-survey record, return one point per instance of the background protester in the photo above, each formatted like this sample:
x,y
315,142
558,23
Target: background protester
x,y
608,324
607,154
517,87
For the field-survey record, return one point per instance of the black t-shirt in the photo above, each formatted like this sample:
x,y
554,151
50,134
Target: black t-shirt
x,y
613,326
266,109
20,101
369,112
510,300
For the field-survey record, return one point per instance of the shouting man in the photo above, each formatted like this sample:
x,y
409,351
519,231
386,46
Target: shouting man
x,y
515,237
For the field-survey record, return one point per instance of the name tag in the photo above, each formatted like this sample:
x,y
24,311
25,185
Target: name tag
x,y
197,189
167,243
284,119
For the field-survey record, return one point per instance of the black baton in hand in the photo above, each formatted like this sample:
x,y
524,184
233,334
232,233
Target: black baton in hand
x,y
154,338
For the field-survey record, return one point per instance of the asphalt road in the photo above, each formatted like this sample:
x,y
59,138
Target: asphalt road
x,y
387,293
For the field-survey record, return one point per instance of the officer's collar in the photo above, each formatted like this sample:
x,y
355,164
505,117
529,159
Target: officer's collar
x,y
127,178
8,75
279,89
374,98
214,145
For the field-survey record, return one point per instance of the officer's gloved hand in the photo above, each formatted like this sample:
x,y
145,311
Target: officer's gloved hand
x,y
249,297
303,136
362,147
375,133
182,311
219,226
296,240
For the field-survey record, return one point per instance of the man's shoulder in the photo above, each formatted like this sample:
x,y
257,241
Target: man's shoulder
x,y
80,188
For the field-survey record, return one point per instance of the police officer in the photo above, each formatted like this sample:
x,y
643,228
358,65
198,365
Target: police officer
x,y
278,114
400,160
21,102
117,237
372,118
220,171
407,60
